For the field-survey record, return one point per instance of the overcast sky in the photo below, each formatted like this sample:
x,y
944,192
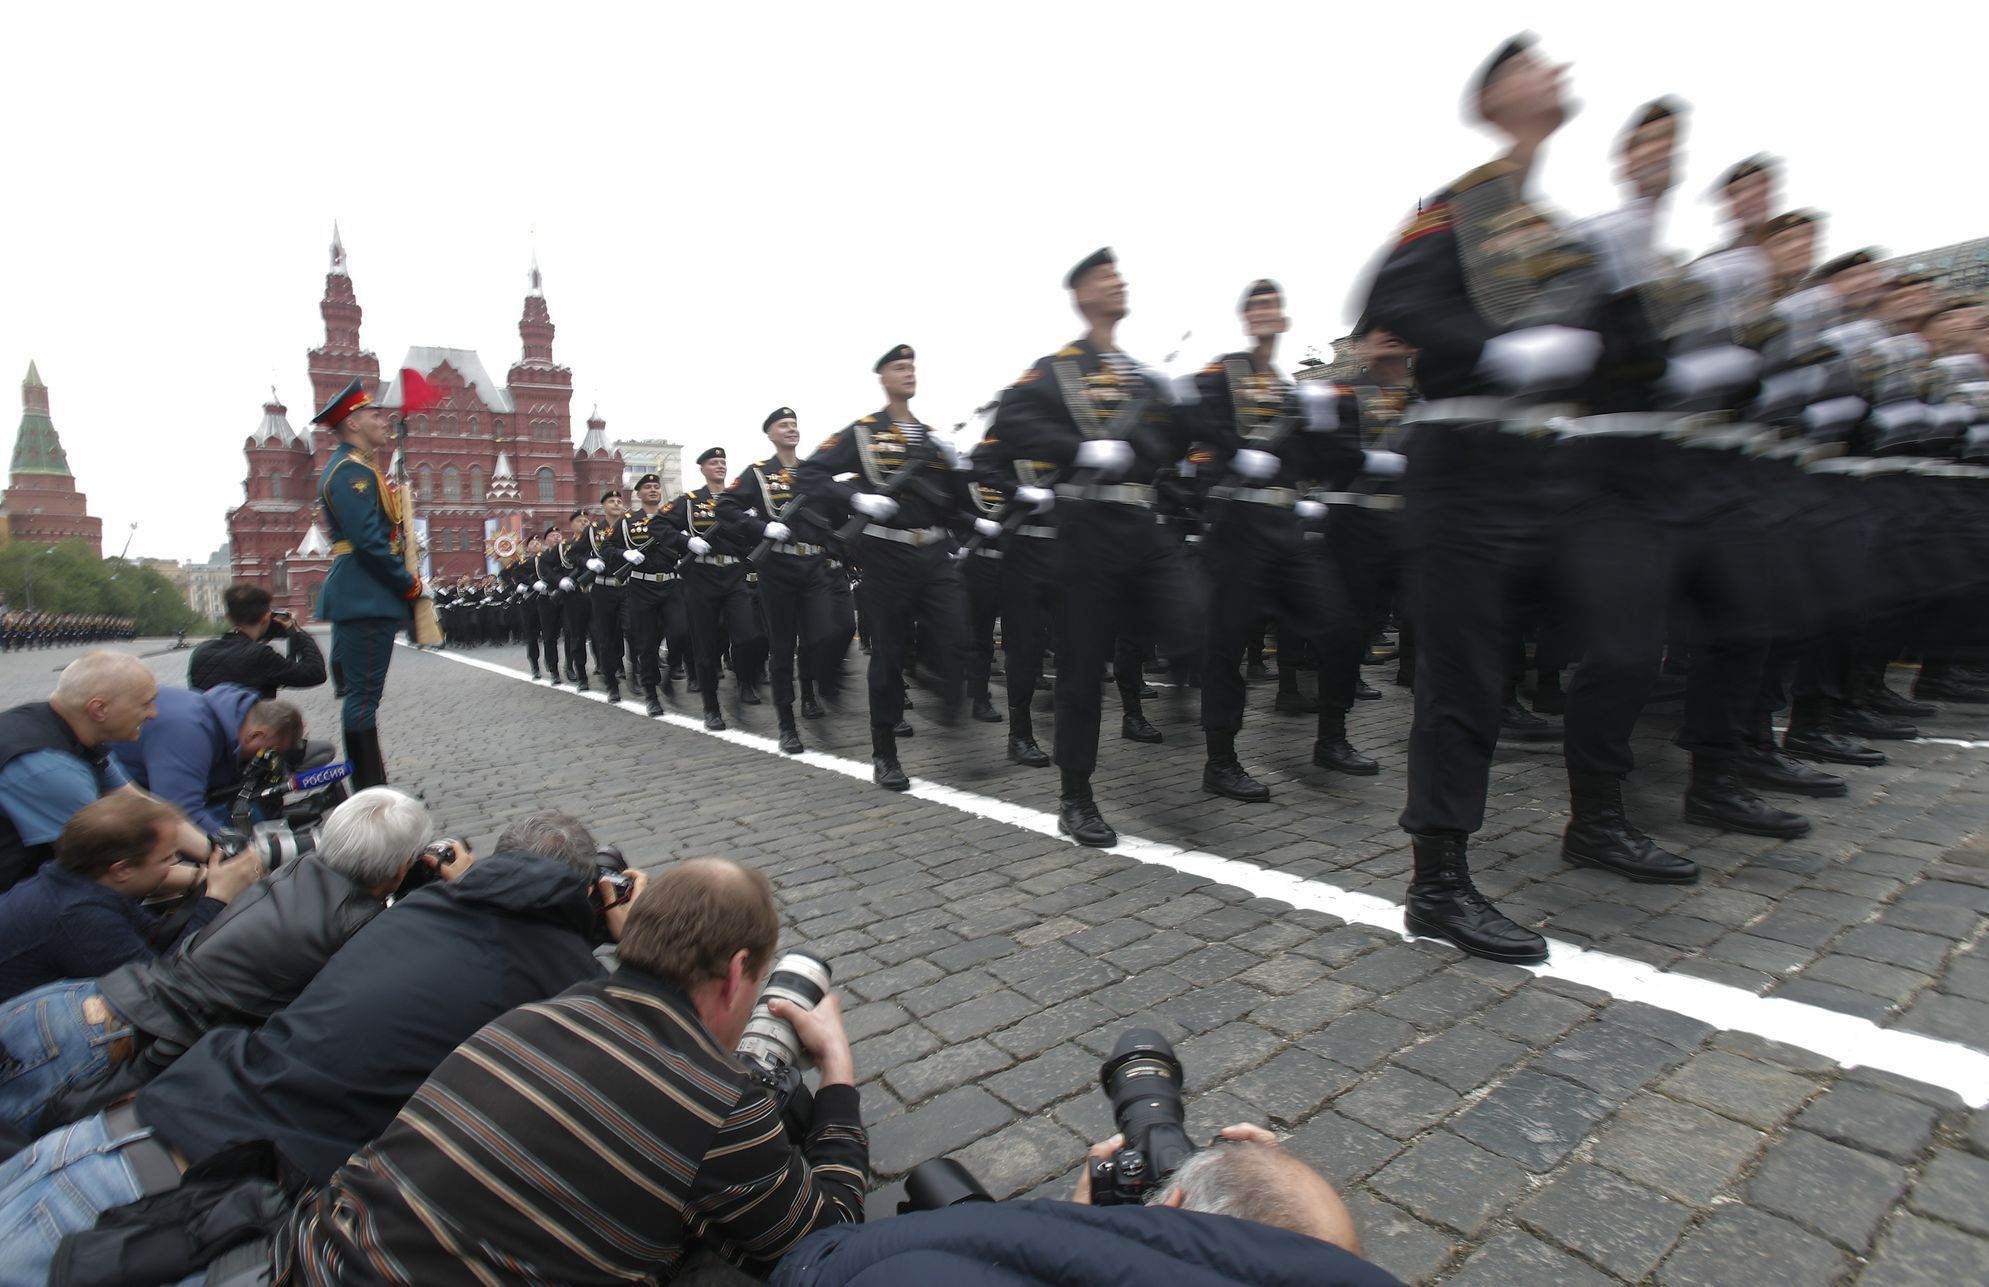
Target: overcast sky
x,y
737,206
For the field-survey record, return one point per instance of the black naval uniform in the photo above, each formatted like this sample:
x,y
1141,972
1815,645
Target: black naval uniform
x,y
546,612
1119,571
1028,590
651,605
605,596
718,598
576,608
793,582
909,572
982,574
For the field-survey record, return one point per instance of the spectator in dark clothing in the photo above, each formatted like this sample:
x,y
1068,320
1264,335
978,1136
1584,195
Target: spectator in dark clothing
x,y
79,916
598,1137
1242,1213
242,654
117,1032
196,750
328,1072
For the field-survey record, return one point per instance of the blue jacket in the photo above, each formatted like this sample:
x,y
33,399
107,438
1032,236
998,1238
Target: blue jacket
x,y
368,580
1064,1244
193,748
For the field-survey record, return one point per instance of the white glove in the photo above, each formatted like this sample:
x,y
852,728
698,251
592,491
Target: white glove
x,y
1819,416
540,586
987,527
777,531
947,455
1109,456
1710,370
595,565
1311,509
634,556
700,546
1540,357
1253,464
871,505
1384,464
1042,498
566,583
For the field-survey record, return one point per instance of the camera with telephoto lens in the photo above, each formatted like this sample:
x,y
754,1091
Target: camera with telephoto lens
x,y
772,1050
298,801
1142,1078
610,866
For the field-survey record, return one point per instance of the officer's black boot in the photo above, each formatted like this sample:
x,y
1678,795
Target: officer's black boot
x,y
1078,817
1224,773
1810,737
1291,700
1599,834
984,710
1716,798
1873,693
614,684
1443,903
1942,681
1853,720
884,770
655,704
749,692
1134,727
1766,767
362,747
790,741
1518,724
1548,697
580,680
1334,751
1022,748
714,719
1364,691
810,708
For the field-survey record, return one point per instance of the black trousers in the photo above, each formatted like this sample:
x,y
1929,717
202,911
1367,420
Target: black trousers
x,y
605,625
551,618
1728,555
721,609
983,573
1258,560
1120,572
651,610
1028,602
800,616
903,584
1476,529
576,608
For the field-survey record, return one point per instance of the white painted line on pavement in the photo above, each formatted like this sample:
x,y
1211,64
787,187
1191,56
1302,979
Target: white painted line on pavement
x,y
1847,1039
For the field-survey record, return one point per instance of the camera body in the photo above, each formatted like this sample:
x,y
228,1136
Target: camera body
x,y
772,1050
1142,1078
270,786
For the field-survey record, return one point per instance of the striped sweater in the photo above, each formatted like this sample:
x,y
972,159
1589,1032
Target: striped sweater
x,y
591,1138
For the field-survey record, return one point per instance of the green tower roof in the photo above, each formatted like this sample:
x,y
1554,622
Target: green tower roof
x,y
37,450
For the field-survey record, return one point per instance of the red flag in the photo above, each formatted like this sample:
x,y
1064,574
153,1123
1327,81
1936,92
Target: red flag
x,y
417,394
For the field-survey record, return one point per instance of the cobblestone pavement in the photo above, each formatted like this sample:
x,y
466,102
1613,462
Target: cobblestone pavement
x,y
1487,1124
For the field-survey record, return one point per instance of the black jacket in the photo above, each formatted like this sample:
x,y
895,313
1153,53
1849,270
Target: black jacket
x,y
250,962
36,727
1034,420
234,658
1065,1244
328,1072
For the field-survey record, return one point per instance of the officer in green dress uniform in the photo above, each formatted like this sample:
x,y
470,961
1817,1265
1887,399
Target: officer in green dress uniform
x,y
368,592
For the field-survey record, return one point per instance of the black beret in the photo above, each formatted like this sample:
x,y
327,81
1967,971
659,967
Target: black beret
x,y
578,513
1096,259
1658,109
1792,219
901,353
613,491
551,528
1520,44
647,479
1913,277
778,413
1262,286
709,452
1759,163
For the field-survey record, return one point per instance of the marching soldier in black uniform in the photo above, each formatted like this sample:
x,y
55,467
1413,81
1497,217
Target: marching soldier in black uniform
x,y
906,548
546,615
715,589
576,609
605,621
1367,519
1028,583
793,584
1110,426
1270,437
981,573
643,542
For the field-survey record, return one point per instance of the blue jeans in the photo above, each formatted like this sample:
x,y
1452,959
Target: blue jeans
x,y
59,1184
53,1045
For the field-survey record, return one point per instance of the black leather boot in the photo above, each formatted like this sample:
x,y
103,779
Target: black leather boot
x,y
884,770
1599,834
1716,798
1548,697
1080,820
1810,738
1224,775
614,691
1769,768
362,747
749,693
654,706
790,740
1134,727
810,708
1022,748
903,728
1443,903
714,719
1333,750
1290,700
1873,693
1364,691
1518,724
984,710
1867,724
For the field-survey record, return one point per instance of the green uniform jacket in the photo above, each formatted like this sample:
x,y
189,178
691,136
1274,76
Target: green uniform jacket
x,y
367,580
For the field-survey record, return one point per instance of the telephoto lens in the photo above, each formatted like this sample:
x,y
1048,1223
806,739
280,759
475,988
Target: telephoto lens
x,y
1143,1080
770,1041
940,1182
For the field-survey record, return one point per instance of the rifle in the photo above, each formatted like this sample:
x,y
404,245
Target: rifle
x,y
793,509
916,460
427,631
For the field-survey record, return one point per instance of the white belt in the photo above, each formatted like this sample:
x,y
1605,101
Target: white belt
x,y
1502,414
652,576
1111,493
907,535
718,560
986,553
1618,424
1282,497
1361,499
1040,533
798,549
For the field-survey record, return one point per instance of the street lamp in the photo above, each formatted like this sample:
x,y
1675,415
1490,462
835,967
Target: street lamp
x,y
127,543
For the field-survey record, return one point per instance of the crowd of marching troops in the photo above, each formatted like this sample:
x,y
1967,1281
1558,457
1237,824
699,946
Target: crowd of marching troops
x,y
29,629
1568,449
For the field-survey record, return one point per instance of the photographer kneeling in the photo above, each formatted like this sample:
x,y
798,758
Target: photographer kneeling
x,y
602,1135
88,1042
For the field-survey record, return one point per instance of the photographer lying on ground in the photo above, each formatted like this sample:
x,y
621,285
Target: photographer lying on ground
x,y
97,1040
200,745
600,1136
329,1071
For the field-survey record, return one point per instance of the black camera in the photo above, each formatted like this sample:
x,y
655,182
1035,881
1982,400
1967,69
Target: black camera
x,y
298,801
1142,1078
772,1050
941,1182
610,866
